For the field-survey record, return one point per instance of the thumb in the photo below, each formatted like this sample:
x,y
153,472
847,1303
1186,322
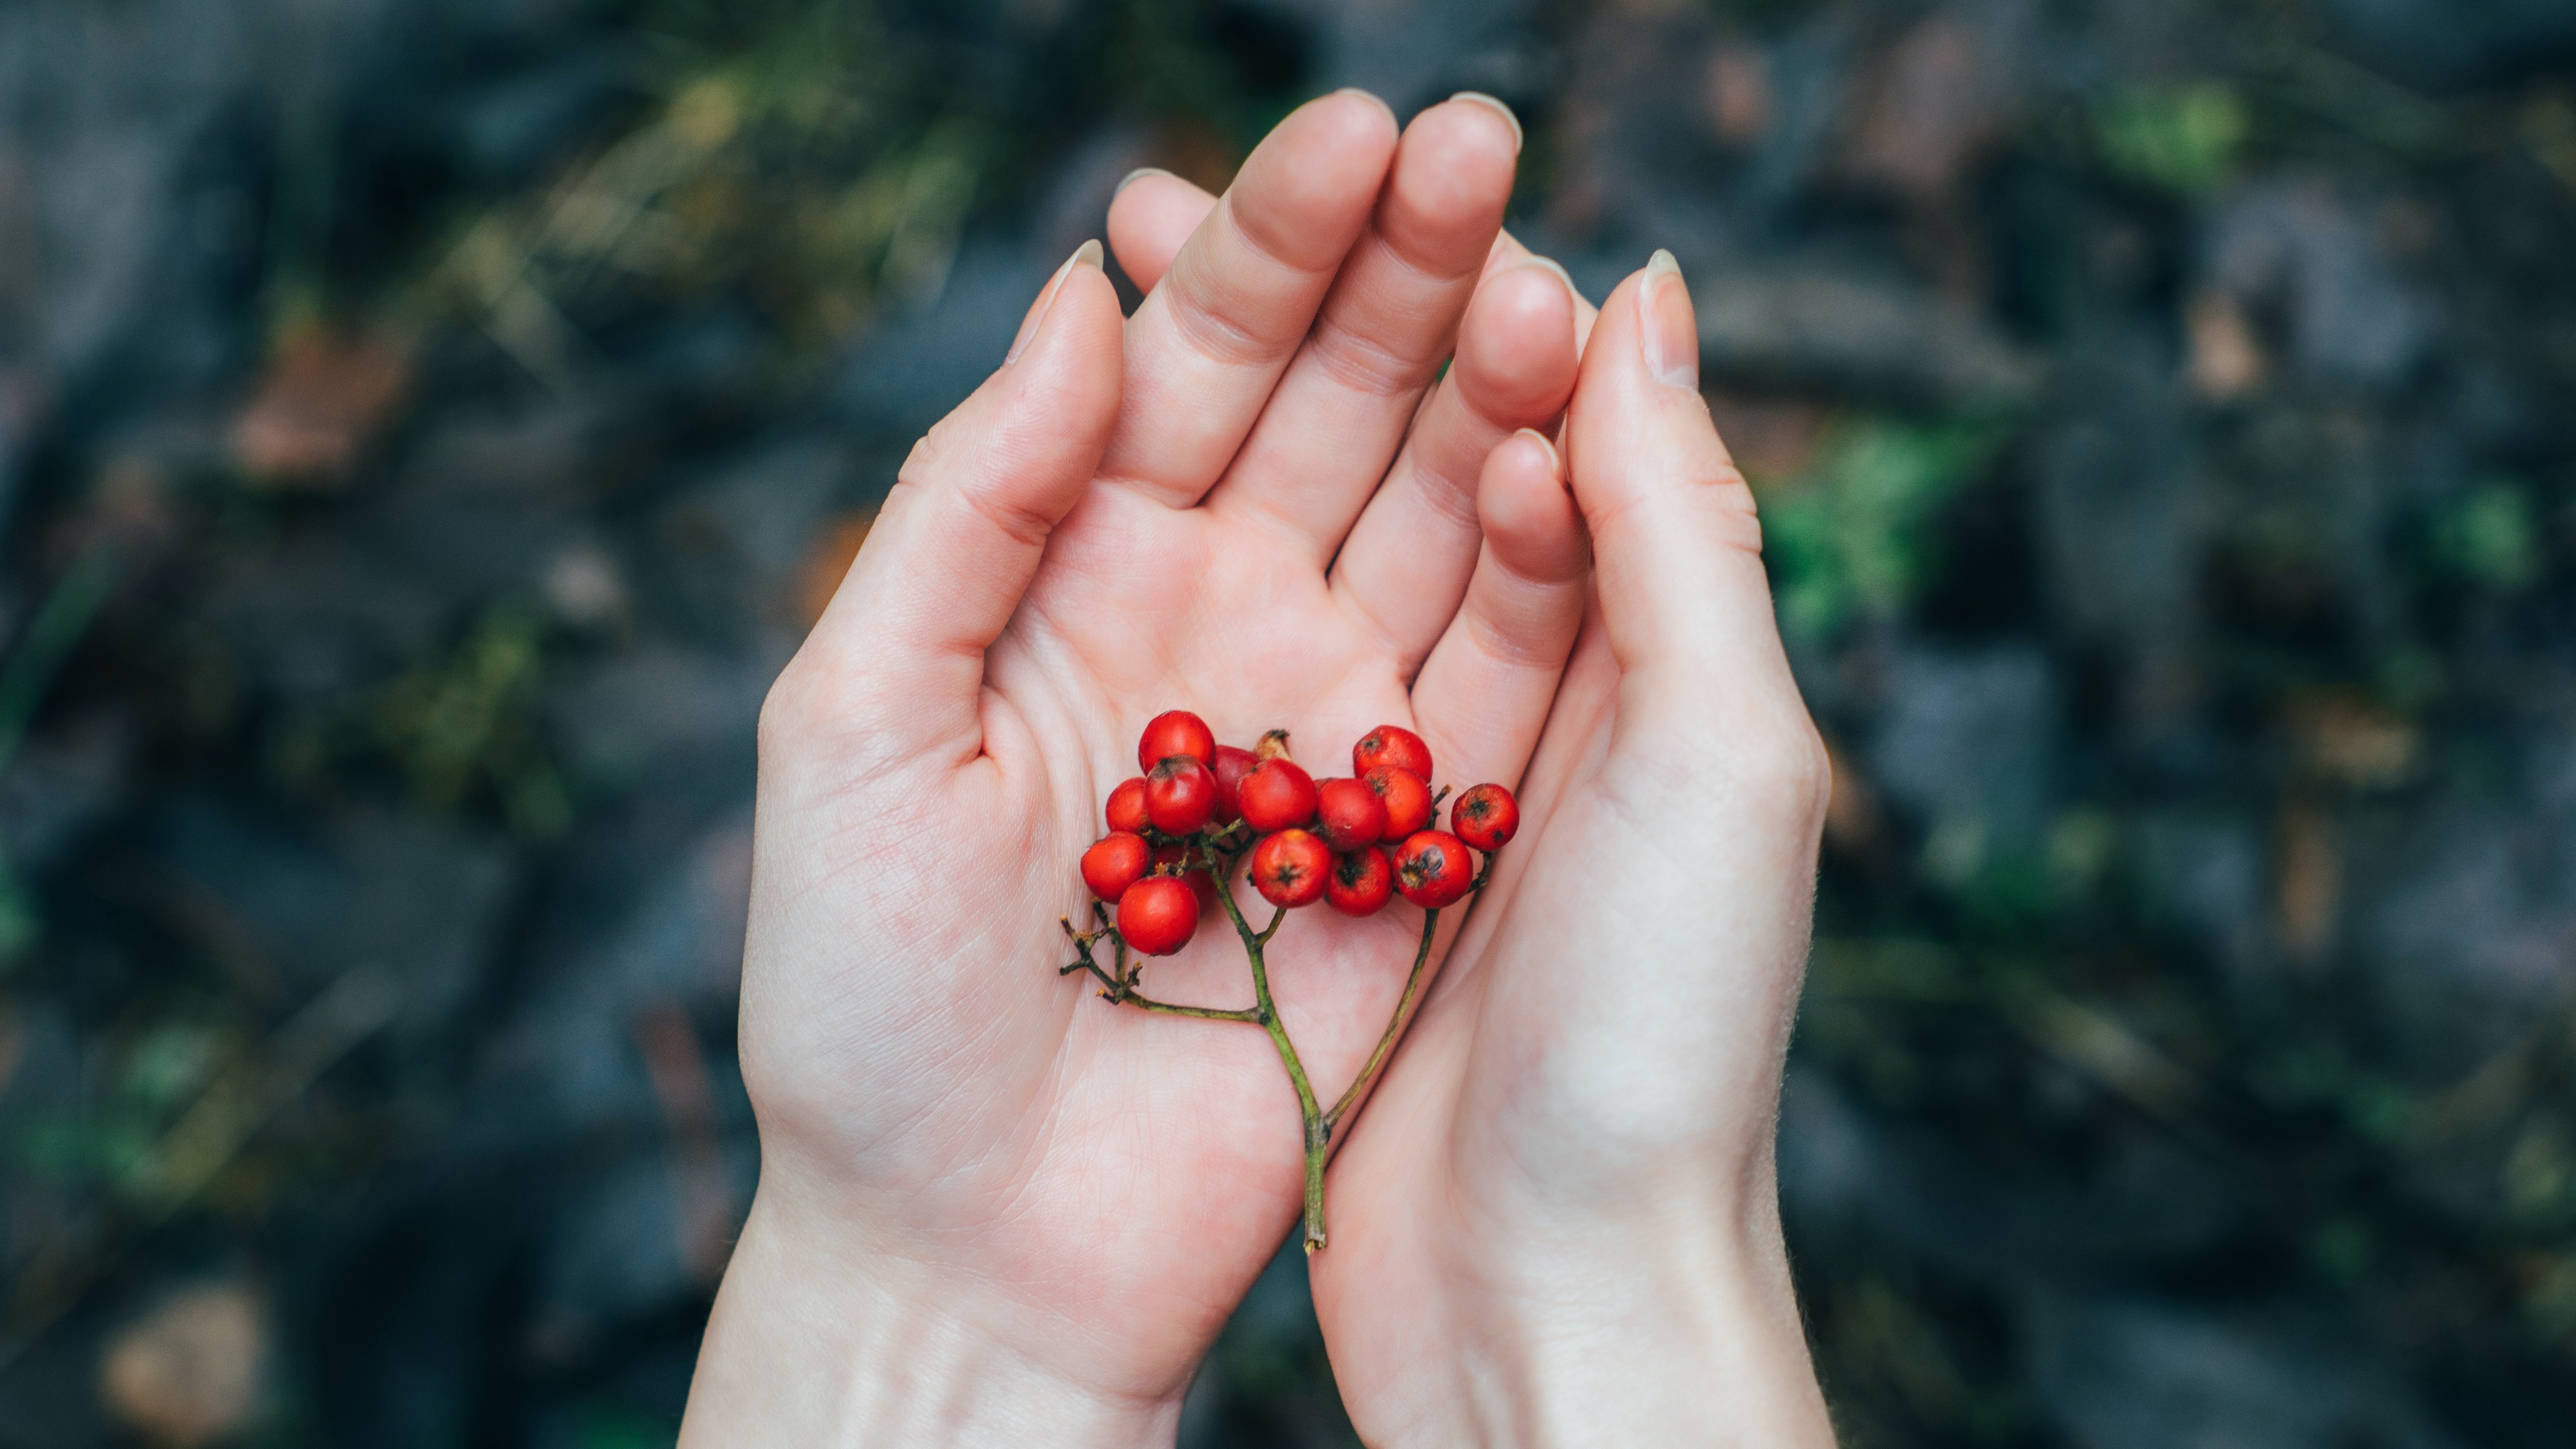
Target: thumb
x,y
1677,547
899,653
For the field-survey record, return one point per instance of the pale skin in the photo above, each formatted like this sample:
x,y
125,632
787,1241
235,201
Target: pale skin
x,y
995,1209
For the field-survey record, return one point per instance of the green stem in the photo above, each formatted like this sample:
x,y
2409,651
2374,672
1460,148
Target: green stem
x,y
1394,1027
1203,1013
1318,1136
1120,986
58,626
1318,1124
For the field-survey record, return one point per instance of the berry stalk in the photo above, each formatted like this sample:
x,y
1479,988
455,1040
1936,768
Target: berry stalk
x,y
1394,1027
1319,1134
1178,832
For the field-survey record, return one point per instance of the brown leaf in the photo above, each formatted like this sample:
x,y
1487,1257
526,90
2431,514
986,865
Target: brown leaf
x,y
323,399
2307,881
2354,743
827,562
188,1372
2226,360
1737,92
1934,105
1770,439
1851,814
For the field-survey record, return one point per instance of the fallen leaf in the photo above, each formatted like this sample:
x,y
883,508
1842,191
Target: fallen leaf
x,y
1851,814
187,1373
2355,743
1770,439
1738,94
1933,106
2307,881
324,398
2226,361
827,562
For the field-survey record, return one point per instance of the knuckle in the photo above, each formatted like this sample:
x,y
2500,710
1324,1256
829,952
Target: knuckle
x,y
1363,364
1015,519
786,714
924,462
1786,768
1737,518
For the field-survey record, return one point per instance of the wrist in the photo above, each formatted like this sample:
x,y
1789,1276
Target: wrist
x,y
1670,1322
815,1339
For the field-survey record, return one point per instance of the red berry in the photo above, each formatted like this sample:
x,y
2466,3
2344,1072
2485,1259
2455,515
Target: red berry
x,y
1115,862
1127,807
1180,795
1486,817
1360,883
1433,869
1158,915
1391,745
1348,814
1277,795
1289,868
1169,857
1231,766
1408,800
1176,732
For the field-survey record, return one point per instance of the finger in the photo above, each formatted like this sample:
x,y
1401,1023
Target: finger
x,y
1508,252
1406,563
1486,689
1206,348
1341,409
1677,550
899,653
1153,213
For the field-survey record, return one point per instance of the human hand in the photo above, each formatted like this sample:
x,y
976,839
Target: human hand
x,y
991,1207
1557,1221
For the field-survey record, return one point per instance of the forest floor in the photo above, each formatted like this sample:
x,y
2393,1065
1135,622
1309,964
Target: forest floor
x,y
427,425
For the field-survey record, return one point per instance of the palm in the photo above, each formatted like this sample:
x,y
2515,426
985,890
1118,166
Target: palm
x,y
906,1035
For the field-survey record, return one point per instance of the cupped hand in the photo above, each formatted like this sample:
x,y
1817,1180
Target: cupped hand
x,y
1557,1221
993,1207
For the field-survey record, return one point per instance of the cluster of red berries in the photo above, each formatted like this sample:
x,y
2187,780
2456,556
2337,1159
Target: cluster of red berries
x,y
1352,843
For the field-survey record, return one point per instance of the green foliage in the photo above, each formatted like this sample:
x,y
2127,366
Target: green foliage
x,y
795,157
611,1427
461,730
25,681
157,1074
2490,537
2182,138
1848,536
824,164
468,720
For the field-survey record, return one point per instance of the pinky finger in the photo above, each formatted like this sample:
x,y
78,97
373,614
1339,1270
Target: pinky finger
x,y
1483,695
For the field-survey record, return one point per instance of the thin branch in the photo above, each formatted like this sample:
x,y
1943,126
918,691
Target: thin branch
x,y
1394,1026
1204,1013
1204,852
1317,1137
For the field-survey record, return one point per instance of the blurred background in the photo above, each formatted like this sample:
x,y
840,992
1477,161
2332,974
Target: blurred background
x,y
426,426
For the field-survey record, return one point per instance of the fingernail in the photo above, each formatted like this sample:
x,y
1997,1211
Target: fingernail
x,y
1372,98
1555,462
1086,255
1482,99
1666,329
1132,177
1548,264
